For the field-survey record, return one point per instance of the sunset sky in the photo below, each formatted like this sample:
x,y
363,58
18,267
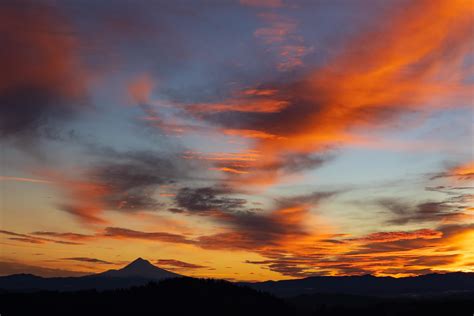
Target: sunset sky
x,y
251,140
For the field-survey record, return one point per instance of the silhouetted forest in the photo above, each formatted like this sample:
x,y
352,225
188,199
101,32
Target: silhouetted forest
x,y
343,304
188,296
181,296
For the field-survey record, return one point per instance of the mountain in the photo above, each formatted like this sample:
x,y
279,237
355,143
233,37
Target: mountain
x,y
429,284
141,272
138,272
140,268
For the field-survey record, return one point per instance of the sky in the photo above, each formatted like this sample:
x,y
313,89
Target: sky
x,y
244,140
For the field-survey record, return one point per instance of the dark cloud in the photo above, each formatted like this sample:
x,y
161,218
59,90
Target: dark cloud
x,y
133,178
41,82
453,207
282,122
406,212
121,233
177,264
285,267
67,236
88,260
34,239
285,164
118,232
400,245
307,199
248,227
299,162
27,240
450,190
208,199
254,231
119,181
41,92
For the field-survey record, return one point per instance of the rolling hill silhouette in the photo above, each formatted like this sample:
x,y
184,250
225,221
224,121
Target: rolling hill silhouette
x,y
140,288
370,285
138,272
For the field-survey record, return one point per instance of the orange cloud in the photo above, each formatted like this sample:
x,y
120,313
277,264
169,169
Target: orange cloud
x,y
247,133
55,50
124,233
140,89
401,235
242,105
399,67
230,170
178,264
119,181
382,254
292,56
108,232
260,92
291,248
34,239
280,34
241,157
463,172
67,236
278,29
42,79
84,199
230,163
460,172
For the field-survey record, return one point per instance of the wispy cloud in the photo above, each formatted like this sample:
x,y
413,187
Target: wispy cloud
x,y
32,239
368,86
178,264
35,95
20,179
88,260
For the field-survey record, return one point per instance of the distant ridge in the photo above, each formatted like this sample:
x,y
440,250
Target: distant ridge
x,y
427,284
139,272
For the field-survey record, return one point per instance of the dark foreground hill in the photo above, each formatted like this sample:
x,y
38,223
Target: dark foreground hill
x,y
423,285
180,296
345,304
188,296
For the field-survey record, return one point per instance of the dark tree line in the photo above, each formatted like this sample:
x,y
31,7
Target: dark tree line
x,y
188,296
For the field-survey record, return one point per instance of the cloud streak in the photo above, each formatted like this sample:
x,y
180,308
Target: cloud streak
x,y
41,89
119,181
178,264
368,86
